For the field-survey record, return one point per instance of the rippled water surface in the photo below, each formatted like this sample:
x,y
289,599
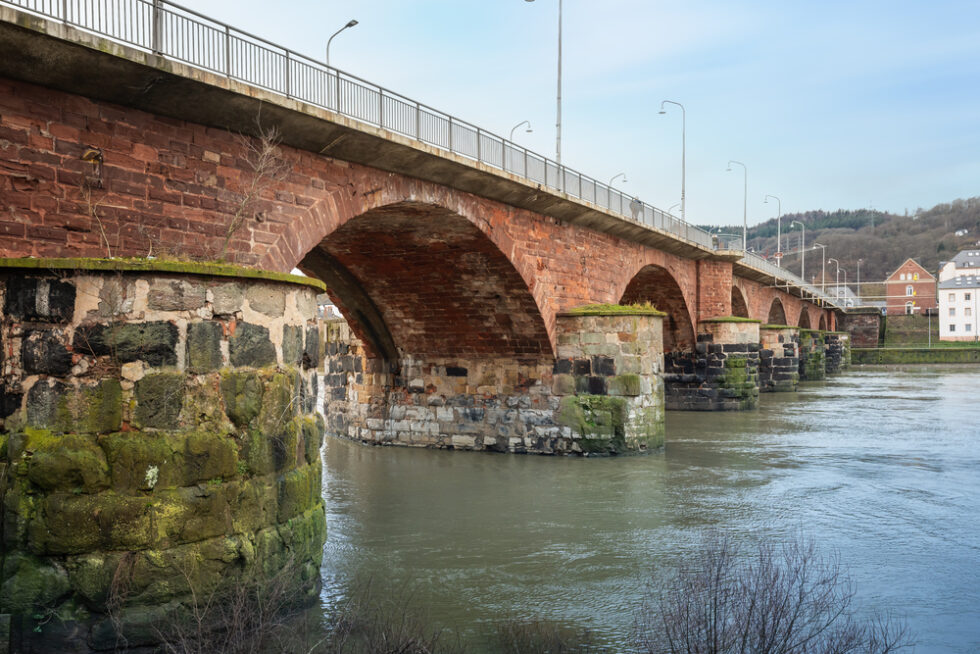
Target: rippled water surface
x,y
882,464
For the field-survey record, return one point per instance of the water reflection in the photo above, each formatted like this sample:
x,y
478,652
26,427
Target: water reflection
x,y
880,463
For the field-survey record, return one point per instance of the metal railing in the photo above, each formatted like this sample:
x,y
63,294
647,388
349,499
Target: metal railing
x,y
183,35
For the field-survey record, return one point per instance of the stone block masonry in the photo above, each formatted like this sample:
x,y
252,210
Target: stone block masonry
x,y
158,440
603,394
838,352
721,374
813,365
779,358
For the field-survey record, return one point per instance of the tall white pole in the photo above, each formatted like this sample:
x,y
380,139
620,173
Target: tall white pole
x,y
683,155
558,122
802,249
745,203
779,215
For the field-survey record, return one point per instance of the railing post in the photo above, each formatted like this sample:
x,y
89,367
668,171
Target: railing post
x,y
418,121
288,85
479,146
450,133
157,18
526,173
336,77
381,108
227,51
64,11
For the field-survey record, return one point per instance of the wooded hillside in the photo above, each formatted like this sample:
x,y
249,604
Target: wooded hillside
x,y
881,240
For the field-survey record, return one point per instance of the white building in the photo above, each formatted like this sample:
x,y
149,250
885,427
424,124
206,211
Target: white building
x,y
966,262
958,305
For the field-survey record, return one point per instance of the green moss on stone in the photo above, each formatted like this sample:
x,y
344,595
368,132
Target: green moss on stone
x,y
630,385
203,347
158,265
614,310
779,327
729,319
242,392
159,398
30,584
66,462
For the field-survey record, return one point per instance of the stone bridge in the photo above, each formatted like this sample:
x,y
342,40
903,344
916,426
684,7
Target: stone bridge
x,y
456,277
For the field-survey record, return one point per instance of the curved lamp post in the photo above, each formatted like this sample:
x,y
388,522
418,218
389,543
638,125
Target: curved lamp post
x,y
623,175
823,266
802,249
683,151
836,263
745,201
514,128
779,214
350,23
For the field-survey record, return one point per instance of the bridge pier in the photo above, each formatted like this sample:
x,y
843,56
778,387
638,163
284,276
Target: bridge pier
x,y
813,365
158,443
779,358
838,351
603,393
722,373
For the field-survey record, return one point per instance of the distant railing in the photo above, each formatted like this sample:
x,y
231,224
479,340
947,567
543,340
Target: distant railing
x,y
181,34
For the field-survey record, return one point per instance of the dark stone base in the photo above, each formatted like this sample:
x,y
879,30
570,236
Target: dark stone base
x,y
715,377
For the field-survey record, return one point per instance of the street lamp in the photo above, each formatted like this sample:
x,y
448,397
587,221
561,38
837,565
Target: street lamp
x,y
779,214
683,152
823,267
350,23
837,263
523,122
672,207
859,282
558,121
623,175
745,201
802,249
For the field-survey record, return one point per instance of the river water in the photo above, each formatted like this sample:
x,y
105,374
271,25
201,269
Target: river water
x,y
881,464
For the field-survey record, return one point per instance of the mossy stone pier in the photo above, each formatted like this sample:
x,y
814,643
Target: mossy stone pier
x,y
157,440
779,358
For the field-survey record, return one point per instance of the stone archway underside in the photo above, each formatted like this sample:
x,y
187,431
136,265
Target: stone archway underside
x,y
656,285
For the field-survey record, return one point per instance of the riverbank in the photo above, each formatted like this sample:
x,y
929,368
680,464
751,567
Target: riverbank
x,y
901,355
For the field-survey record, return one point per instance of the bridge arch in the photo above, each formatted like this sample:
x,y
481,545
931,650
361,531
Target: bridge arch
x,y
423,281
655,284
804,320
739,306
777,315
823,322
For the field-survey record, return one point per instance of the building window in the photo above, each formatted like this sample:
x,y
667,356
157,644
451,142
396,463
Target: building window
x,y
952,297
908,308
966,297
952,311
909,290
902,277
967,327
952,328
968,312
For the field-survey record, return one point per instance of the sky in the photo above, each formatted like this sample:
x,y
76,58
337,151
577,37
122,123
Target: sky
x,y
830,105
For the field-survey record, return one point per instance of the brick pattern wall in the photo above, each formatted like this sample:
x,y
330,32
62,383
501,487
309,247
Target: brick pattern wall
x,y
167,187
721,374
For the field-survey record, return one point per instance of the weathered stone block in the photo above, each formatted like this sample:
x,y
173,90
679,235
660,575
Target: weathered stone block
x,y
203,347
152,342
47,406
227,298
311,352
30,583
176,295
266,299
292,345
43,352
629,385
68,462
250,346
242,393
39,299
159,398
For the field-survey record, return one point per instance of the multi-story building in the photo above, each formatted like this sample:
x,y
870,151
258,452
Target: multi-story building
x,y
958,308
911,289
966,262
